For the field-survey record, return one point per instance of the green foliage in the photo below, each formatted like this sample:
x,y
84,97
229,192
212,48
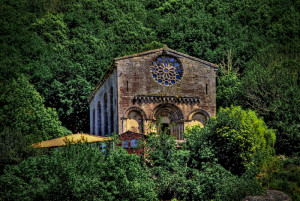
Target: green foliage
x,y
236,188
15,147
236,137
179,174
229,89
24,120
64,47
166,164
229,86
272,89
22,109
269,168
287,178
151,46
78,172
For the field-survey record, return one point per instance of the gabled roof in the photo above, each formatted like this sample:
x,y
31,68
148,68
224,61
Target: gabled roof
x,y
70,139
168,50
165,49
131,132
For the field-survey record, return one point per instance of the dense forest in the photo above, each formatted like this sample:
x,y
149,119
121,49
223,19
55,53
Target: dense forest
x,y
53,52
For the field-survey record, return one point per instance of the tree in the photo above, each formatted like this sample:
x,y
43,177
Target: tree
x,y
271,87
229,86
24,120
237,138
166,164
15,147
23,109
179,174
78,172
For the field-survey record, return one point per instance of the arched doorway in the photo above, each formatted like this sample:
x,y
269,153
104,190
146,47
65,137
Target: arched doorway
x,y
171,116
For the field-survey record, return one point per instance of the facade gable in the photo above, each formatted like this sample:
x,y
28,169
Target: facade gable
x,y
158,83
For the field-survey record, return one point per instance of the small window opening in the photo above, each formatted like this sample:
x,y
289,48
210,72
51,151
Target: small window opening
x,y
133,143
127,86
206,89
165,127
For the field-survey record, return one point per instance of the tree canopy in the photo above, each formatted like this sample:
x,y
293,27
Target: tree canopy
x,y
78,172
64,47
54,52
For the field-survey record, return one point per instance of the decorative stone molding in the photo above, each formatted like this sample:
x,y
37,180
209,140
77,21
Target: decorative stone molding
x,y
169,110
140,110
198,111
165,99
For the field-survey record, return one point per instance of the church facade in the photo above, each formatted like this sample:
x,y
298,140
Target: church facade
x,y
165,84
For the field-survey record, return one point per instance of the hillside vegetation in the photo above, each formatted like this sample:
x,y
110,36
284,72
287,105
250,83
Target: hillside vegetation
x,y
54,52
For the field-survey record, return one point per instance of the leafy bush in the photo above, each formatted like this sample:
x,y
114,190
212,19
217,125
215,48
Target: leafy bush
x,y
166,164
78,172
190,174
229,85
236,188
236,137
15,147
287,179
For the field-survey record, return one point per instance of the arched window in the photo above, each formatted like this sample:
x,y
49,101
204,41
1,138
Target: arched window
x,y
134,122
105,115
198,117
111,111
99,119
93,122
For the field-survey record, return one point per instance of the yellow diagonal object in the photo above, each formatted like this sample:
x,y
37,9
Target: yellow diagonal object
x,y
70,139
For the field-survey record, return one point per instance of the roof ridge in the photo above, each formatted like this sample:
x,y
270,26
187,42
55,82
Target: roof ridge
x,y
138,54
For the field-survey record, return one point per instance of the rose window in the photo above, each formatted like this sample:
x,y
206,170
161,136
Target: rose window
x,y
166,70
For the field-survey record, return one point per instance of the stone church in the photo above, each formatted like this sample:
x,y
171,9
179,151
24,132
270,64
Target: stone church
x,y
139,89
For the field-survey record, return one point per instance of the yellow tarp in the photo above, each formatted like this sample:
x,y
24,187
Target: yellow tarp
x,y
70,139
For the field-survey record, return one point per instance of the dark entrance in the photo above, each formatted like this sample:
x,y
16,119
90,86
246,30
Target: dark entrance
x,y
171,119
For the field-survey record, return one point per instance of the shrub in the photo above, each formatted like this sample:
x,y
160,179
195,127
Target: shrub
x,y
234,187
287,179
167,165
237,138
78,172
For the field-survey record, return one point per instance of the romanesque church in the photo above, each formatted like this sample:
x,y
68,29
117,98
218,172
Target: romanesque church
x,y
139,89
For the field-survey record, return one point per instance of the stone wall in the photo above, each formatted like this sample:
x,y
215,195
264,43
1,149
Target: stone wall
x,y
135,79
103,114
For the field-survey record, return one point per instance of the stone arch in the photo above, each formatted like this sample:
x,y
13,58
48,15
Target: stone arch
x,y
168,110
171,116
137,109
198,117
135,117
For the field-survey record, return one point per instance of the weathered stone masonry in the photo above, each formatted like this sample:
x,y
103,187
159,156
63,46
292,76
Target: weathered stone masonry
x,y
140,88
